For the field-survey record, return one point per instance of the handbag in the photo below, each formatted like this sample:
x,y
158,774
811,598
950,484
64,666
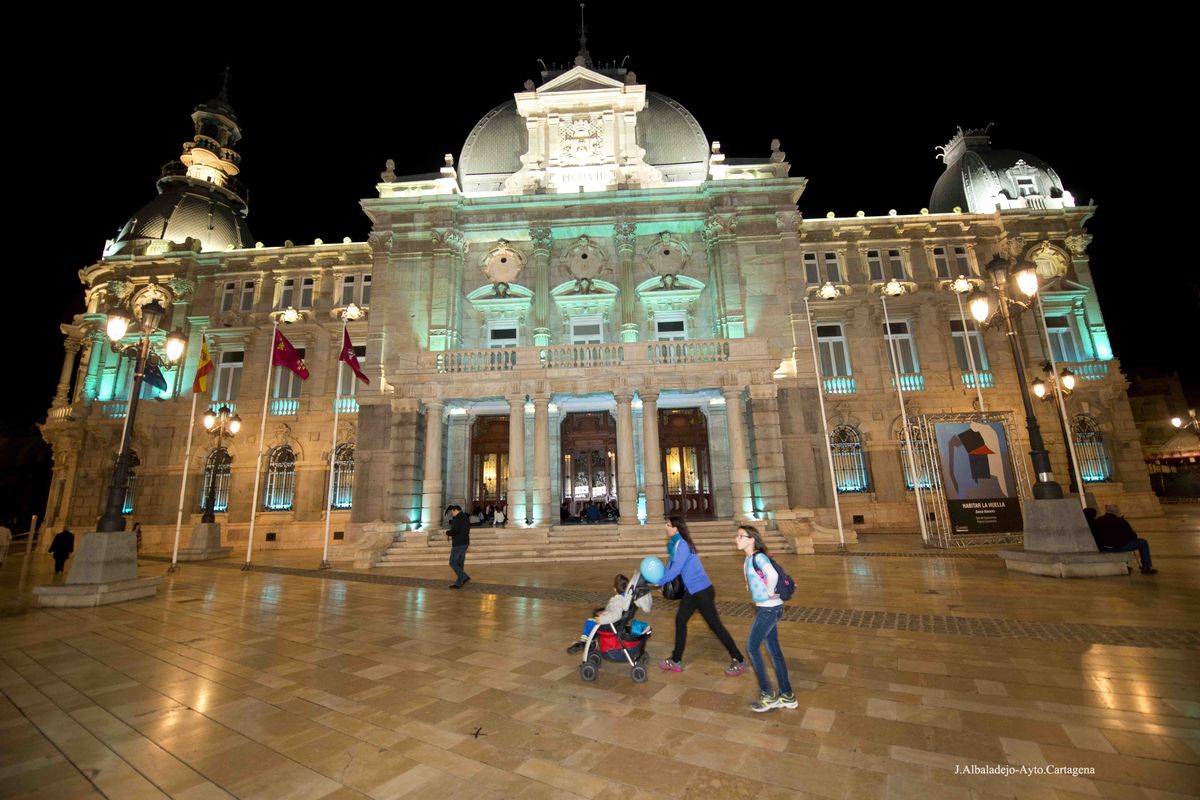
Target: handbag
x,y
674,589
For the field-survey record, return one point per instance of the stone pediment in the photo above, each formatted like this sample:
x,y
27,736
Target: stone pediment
x,y
579,79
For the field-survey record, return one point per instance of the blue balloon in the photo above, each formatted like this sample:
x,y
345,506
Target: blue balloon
x,y
652,569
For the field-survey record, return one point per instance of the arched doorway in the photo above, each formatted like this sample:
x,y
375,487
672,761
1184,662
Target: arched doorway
x,y
589,459
489,463
687,472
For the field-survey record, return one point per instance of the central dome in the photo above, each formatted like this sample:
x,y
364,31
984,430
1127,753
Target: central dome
x,y
672,138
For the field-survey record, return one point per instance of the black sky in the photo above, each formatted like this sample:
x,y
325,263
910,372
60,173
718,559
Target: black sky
x,y
858,100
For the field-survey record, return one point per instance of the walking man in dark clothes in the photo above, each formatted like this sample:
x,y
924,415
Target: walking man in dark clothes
x,y
460,540
61,548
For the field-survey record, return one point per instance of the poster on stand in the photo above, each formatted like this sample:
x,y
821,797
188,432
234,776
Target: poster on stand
x,y
977,477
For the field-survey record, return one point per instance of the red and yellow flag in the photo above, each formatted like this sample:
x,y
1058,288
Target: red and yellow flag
x,y
350,358
203,369
284,355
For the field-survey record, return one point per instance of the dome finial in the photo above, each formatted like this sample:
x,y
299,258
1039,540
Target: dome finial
x,y
584,59
223,95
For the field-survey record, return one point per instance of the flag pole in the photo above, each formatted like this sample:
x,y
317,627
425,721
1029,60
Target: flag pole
x,y
333,449
837,503
262,433
187,456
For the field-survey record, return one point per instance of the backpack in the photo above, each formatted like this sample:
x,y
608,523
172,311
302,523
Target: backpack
x,y
785,587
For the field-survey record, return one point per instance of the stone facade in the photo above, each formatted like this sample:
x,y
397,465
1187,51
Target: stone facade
x,y
618,284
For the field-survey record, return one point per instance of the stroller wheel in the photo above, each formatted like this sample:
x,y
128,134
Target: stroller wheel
x,y
587,672
594,659
638,673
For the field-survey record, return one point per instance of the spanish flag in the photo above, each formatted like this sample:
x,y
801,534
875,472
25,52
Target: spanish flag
x,y
203,369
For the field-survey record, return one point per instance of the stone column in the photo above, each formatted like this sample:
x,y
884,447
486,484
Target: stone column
x,y
91,381
458,467
516,460
541,461
739,464
651,457
431,483
726,285
70,348
540,238
626,471
1096,329
624,233
768,447
449,246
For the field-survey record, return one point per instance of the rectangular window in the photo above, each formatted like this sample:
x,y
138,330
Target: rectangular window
x,y
941,264
812,274
896,265
287,293
288,383
587,330
874,266
962,261
833,272
502,333
1026,186
834,352
366,290
347,290
247,296
306,293
960,337
901,340
229,376
227,296
350,381
1062,339
670,326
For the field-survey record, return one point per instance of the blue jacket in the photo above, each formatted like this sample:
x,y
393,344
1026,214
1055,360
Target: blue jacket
x,y
685,562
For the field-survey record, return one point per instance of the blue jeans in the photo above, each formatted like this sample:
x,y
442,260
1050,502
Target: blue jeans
x,y
458,559
1141,545
766,628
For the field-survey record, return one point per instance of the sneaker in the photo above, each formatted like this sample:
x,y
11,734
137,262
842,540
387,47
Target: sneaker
x,y
765,702
465,582
788,700
1149,570
670,666
576,647
453,586
736,668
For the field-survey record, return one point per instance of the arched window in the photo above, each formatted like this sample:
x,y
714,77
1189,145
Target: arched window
x,y
343,476
130,483
1094,465
217,468
849,461
920,456
281,480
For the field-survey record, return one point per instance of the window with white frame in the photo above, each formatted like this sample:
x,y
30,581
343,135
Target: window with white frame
x,y
961,337
834,350
288,383
1062,339
883,265
348,284
366,290
812,269
941,264
670,326
962,261
247,303
227,296
349,380
229,376
849,460
280,491
306,293
502,333
587,329
900,339
287,293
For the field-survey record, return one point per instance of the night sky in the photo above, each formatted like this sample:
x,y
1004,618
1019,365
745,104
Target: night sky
x,y
323,103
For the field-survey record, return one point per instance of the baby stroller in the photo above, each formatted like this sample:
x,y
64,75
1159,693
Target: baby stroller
x,y
617,641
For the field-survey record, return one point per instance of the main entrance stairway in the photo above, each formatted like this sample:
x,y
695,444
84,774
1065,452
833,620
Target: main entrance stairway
x,y
566,543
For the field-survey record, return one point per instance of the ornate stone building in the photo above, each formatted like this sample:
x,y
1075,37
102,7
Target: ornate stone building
x,y
591,304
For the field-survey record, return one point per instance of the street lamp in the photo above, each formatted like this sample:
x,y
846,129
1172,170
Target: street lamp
x,y
221,423
119,322
961,286
1191,423
1057,388
1045,487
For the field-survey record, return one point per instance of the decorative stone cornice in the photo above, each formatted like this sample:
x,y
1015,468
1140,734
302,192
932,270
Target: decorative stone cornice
x,y
541,238
380,242
451,239
788,221
718,226
1078,244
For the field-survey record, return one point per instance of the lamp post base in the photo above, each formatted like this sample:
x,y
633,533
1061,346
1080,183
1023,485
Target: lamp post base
x,y
103,571
205,544
1058,544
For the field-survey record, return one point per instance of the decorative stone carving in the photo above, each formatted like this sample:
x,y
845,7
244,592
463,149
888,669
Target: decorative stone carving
x,y
585,260
389,172
777,155
119,290
718,226
581,140
449,238
625,235
1078,243
181,288
530,86
668,256
502,265
347,432
380,242
148,294
788,221
541,239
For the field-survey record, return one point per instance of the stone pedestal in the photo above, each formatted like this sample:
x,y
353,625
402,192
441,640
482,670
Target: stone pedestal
x,y
103,571
796,529
1058,544
204,544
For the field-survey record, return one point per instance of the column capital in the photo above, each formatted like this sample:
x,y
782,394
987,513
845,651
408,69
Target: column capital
x,y
516,399
540,400
625,235
648,395
541,238
434,403
623,396
732,392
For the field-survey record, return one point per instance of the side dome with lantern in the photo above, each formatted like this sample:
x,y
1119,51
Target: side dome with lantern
x,y
980,180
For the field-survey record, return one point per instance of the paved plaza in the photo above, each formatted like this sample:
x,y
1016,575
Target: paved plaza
x,y
920,674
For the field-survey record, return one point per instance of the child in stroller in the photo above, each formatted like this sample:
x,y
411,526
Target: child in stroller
x,y
613,634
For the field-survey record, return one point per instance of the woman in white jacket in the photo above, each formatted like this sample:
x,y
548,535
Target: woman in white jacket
x,y
761,579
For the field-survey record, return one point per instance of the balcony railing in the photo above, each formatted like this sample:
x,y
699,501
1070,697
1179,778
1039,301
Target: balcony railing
x,y
59,413
986,381
911,382
114,409
346,404
840,384
285,407
1088,370
591,356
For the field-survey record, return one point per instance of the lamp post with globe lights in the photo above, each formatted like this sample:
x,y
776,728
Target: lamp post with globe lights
x,y
221,424
826,292
1057,388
